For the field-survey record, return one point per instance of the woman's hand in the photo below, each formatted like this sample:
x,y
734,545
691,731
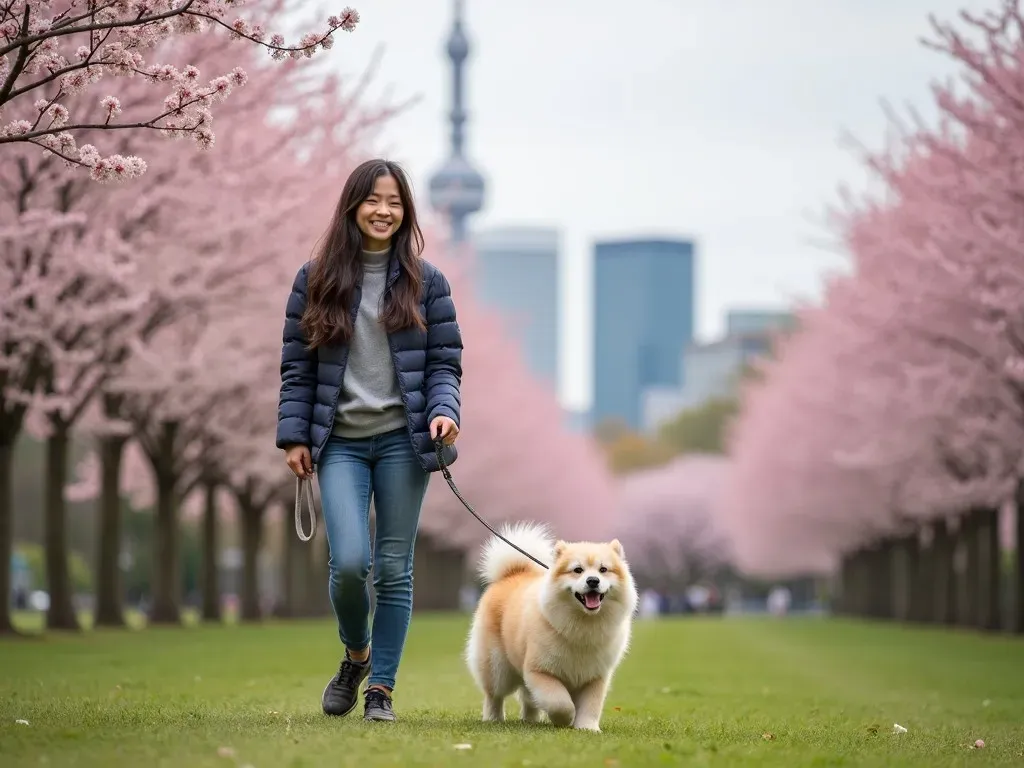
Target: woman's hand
x,y
444,428
299,461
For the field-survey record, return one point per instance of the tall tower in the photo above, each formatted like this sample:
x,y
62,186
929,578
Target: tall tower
x,y
456,188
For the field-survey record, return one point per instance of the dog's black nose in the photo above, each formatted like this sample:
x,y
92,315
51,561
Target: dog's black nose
x,y
593,582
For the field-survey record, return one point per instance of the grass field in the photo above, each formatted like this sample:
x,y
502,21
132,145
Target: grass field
x,y
692,692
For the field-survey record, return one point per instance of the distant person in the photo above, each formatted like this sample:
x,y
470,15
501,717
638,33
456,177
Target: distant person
x,y
371,370
650,604
697,596
778,601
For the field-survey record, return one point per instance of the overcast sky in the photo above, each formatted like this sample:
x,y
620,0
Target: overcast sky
x,y
716,120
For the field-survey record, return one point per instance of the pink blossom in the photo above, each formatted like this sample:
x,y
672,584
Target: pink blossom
x,y
900,400
62,42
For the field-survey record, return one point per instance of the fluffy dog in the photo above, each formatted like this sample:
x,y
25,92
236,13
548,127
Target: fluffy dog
x,y
554,636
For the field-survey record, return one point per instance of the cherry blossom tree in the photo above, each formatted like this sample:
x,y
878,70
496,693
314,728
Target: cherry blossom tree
x,y
63,344
54,55
194,257
899,404
63,288
668,519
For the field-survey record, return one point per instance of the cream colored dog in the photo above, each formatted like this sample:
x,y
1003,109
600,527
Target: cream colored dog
x,y
554,636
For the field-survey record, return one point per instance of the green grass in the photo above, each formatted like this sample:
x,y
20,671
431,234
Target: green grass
x,y
692,692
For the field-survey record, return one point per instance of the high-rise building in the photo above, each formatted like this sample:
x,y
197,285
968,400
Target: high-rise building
x,y
643,319
517,274
457,188
739,321
714,369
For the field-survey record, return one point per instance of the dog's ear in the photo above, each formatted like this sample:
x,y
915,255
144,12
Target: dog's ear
x,y
560,548
616,546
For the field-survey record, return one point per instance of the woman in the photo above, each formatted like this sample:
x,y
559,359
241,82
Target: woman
x,y
370,373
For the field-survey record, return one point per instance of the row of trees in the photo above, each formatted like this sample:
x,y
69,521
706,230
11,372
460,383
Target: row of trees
x,y
885,438
673,539
145,317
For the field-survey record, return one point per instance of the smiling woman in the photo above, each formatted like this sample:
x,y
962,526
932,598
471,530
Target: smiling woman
x,y
371,370
380,214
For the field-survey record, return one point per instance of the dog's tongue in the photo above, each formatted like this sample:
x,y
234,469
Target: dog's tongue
x,y
592,600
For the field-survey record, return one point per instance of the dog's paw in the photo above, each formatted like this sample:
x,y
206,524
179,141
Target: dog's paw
x,y
587,725
561,717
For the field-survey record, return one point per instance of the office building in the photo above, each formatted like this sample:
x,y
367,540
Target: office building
x,y
738,321
643,319
516,272
713,370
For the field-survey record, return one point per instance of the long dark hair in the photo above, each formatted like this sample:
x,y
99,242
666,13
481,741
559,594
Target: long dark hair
x,y
337,267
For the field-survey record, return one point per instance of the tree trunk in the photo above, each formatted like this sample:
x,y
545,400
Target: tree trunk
x,y
921,580
6,531
439,570
882,580
859,589
842,580
1018,586
967,542
943,577
870,579
109,594
166,608
289,600
61,612
319,573
989,594
903,561
211,580
252,534
309,586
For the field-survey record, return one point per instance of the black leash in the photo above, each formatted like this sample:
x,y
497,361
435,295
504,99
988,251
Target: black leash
x,y
438,448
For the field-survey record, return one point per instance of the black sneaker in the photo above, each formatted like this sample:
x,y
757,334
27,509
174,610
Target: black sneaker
x,y
378,706
341,694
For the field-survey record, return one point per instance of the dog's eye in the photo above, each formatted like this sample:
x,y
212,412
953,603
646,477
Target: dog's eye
x,y
602,569
577,569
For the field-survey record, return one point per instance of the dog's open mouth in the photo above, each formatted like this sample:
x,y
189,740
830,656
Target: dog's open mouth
x,y
591,599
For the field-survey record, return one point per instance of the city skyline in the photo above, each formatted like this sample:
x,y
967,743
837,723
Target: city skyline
x,y
658,129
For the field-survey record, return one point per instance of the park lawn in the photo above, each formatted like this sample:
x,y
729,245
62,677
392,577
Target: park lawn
x,y
724,692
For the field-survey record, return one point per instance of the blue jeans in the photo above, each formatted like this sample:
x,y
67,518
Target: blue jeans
x,y
386,468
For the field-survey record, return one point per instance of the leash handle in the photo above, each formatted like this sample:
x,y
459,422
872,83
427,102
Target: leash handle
x,y
438,452
304,493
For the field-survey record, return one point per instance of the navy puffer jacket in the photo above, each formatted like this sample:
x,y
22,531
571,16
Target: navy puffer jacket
x,y
428,364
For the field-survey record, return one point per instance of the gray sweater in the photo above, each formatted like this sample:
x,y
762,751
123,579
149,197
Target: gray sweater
x,y
370,401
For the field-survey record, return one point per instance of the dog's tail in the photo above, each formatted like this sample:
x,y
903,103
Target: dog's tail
x,y
499,561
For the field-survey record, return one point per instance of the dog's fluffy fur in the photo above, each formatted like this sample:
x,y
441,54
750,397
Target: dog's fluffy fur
x,y
554,636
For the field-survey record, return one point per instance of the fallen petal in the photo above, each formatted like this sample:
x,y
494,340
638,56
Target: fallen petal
x,y
768,736
979,744
462,746
21,722
897,728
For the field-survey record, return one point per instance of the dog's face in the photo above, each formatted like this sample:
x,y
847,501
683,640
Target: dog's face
x,y
591,574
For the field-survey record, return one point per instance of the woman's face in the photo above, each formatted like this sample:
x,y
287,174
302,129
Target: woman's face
x,y
380,215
